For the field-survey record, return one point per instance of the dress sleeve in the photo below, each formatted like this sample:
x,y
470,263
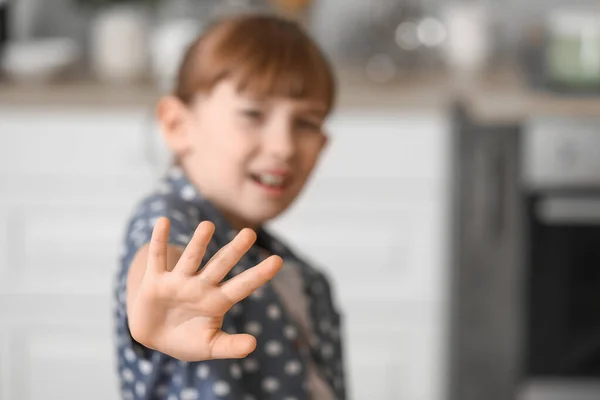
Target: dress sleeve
x,y
142,224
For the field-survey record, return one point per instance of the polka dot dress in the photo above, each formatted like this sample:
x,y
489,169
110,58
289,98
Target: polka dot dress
x,y
278,368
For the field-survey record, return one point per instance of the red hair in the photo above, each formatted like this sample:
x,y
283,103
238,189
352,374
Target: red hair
x,y
266,56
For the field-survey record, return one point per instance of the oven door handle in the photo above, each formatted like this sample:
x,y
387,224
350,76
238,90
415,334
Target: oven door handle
x,y
568,210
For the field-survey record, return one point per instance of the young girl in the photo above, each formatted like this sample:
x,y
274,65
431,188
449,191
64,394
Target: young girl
x,y
198,316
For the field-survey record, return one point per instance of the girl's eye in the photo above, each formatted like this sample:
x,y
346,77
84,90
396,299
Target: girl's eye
x,y
254,115
305,124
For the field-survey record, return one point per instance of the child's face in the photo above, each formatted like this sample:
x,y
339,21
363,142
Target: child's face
x,y
250,156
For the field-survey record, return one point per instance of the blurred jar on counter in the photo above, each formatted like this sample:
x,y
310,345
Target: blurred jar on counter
x,y
118,38
119,43
468,45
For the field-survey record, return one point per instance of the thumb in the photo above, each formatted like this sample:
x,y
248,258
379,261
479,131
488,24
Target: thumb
x,y
225,345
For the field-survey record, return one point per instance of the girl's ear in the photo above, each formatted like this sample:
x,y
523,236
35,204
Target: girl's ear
x,y
174,119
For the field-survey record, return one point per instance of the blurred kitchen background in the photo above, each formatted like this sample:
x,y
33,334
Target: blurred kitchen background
x,y
458,208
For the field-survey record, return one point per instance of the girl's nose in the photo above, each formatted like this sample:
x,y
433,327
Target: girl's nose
x,y
280,143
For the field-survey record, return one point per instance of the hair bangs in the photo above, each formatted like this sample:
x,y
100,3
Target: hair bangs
x,y
266,57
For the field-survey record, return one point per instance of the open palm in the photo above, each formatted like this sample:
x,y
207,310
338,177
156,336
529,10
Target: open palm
x,y
180,312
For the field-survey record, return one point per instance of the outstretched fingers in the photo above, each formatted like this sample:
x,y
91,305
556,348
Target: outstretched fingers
x,y
190,260
157,252
241,286
227,257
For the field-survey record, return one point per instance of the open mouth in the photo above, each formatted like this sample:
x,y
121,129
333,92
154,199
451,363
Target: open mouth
x,y
272,182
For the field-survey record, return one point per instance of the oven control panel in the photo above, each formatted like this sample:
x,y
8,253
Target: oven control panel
x,y
561,152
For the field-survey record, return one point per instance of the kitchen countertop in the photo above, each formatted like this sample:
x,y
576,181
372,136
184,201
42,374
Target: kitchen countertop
x,y
499,96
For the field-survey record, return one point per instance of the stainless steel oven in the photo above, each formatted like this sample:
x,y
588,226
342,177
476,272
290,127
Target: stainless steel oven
x,y
561,259
525,321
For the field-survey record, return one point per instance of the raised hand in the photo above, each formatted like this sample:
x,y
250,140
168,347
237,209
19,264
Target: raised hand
x,y
180,312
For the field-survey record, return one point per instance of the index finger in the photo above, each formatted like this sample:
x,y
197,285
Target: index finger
x,y
157,251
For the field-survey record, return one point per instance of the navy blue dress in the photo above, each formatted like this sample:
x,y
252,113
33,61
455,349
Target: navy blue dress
x,y
281,375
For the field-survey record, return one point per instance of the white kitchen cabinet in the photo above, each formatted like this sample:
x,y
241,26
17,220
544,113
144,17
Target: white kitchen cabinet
x,y
374,217
68,179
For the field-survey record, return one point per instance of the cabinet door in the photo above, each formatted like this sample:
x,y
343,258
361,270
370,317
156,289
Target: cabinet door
x,y
68,180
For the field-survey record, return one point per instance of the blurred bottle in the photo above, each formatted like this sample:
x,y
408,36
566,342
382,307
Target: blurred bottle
x,y
119,43
468,39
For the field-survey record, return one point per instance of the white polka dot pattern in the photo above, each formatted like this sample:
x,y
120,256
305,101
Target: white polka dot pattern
x,y
153,221
231,330
254,328
290,332
188,193
273,311
189,394
202,371
276,369
236,371
178,216
129,355
273,348
128,375
221,388
140,389
270,384
177,380
250,365
327,350
145,367
157,206
183,238
237,310
293,367
258,294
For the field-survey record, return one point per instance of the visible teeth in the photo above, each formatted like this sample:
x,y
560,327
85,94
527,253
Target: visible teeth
x,y
271,180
